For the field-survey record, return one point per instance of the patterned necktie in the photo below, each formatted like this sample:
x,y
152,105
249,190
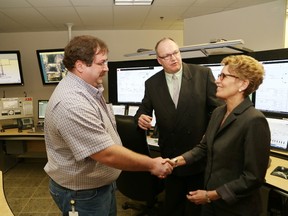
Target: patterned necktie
x,y
176,90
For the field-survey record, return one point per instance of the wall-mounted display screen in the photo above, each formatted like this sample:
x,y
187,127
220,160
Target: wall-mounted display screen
x,y
130,82
126,80
51,65
272,95
215,68
10,68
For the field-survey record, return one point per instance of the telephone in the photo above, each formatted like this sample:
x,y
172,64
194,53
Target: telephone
x,y
25,123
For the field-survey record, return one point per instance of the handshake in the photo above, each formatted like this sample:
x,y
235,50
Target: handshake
x,y
164,166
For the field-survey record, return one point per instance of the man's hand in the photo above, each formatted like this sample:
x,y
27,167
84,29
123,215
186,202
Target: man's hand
x,y
144,122
161,167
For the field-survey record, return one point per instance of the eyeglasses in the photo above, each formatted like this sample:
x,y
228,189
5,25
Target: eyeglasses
x,y
169,56
222,76
102,64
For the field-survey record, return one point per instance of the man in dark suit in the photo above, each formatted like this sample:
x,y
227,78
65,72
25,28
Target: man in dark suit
x,y
182,123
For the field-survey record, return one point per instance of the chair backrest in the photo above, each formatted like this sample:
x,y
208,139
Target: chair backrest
x,y
132,137
140,186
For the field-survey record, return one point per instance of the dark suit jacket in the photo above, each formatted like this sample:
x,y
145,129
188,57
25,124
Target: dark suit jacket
x,y
237,157
182,128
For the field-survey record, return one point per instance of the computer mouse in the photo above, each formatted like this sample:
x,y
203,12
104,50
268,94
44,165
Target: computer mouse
x,y
279,174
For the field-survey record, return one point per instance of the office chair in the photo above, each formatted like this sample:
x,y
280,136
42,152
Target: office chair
x,y
138,186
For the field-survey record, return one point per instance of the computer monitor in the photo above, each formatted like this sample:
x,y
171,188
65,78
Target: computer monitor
x,y
119,109
132,110
272,95
10,68
130,82
279,133
42,104
51,65
215,68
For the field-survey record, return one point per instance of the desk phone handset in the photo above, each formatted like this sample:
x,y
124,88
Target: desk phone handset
x,y
25,123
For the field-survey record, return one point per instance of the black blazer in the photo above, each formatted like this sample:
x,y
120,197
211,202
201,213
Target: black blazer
x,y
180,129
237,157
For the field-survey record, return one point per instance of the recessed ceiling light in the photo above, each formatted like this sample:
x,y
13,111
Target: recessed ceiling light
x,y
133,2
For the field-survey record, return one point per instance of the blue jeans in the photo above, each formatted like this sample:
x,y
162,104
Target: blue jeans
x,y
93,202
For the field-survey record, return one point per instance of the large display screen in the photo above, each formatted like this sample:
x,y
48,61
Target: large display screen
x,y
10,68
272,95
215,68
51,65
130,82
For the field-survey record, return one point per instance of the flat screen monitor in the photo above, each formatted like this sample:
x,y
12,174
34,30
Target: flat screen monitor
x,y
10,68
272,95
51,65
119,109
132,110
279,133
42,104
130,82
215,68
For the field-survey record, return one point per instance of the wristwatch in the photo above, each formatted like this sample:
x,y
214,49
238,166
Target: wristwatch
x,y
207,197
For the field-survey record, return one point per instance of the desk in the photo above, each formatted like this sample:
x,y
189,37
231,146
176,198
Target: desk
x,y
13,144
275,181
13,134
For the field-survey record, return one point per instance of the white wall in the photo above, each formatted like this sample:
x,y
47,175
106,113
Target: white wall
x,y
119,43
262,27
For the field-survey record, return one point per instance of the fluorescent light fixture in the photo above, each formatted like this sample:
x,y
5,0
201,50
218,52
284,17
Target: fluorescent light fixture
x,y
133,2
199,47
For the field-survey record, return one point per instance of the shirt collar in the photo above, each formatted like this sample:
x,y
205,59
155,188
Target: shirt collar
x,y
96,92
177,74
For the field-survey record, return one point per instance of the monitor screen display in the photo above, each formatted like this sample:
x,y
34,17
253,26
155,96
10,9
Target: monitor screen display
x,y
119,109
215,68
42,104
132,110
51,65
130,82
10,68
272,95
279,133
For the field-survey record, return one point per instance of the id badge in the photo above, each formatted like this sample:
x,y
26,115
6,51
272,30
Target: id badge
x,y
73,213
